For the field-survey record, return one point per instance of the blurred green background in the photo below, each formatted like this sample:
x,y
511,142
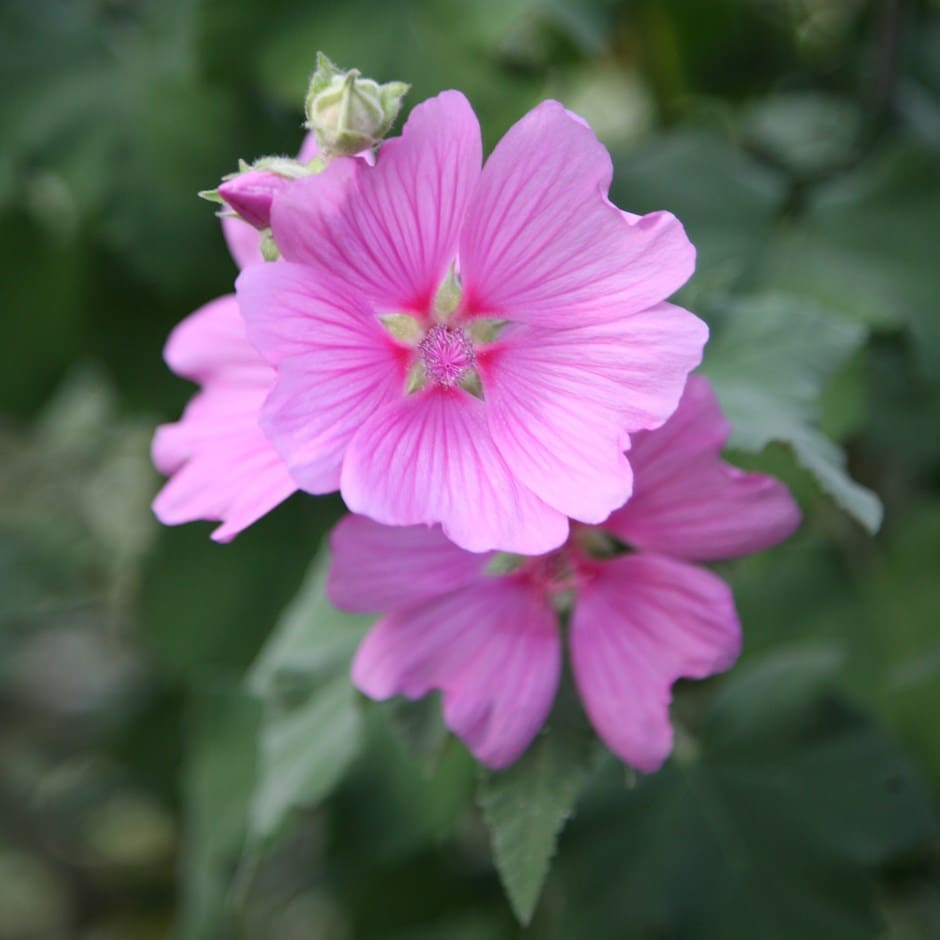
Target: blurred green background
x,y
799,140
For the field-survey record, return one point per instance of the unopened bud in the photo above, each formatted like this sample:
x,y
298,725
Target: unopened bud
x,y
250,192
249,195
349,113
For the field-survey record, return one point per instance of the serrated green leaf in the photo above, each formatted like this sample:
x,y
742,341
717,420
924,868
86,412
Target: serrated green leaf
x,y
311,727
775,828
769,360
527,806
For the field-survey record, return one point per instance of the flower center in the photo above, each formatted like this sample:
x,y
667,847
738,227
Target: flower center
x,y
555,572
446,354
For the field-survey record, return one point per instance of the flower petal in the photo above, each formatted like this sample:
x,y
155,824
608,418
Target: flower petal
x,y
648,355
552,426
428,458
559,402
335,366
377,567
211,345
689,503
543,244
308,148
243,241
222,465
645,622
494,650
388,232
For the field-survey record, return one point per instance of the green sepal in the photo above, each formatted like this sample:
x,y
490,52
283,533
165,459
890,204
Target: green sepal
x,y
403,327
269,249
211,195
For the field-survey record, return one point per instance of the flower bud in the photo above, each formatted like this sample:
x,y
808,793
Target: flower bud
x,y
349,113
249,195
250,192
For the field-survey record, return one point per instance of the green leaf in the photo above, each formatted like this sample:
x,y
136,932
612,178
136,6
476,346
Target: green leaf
x,y
527,805
392,803
877,616
774,826
420,726
311,727
894,645
866,247
808,133
728,220
779,693
769,360
210,610
218,780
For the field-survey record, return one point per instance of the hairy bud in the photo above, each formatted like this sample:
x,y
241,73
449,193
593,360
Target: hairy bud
x,y
349,113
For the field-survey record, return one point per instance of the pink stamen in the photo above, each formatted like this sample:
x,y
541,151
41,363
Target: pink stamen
x,y
447,354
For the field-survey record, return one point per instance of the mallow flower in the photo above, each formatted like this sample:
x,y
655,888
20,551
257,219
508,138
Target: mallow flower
x,y
465,346
637,609
221,465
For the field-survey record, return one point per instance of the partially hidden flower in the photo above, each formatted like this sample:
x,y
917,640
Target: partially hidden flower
x,y
221,465
639,612
471,347
251,192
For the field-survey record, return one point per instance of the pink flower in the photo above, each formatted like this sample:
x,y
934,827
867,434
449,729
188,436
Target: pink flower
x,y
220,463
498,408
484,628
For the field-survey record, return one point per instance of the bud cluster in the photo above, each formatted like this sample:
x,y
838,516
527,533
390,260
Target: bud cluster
x,y
346,113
